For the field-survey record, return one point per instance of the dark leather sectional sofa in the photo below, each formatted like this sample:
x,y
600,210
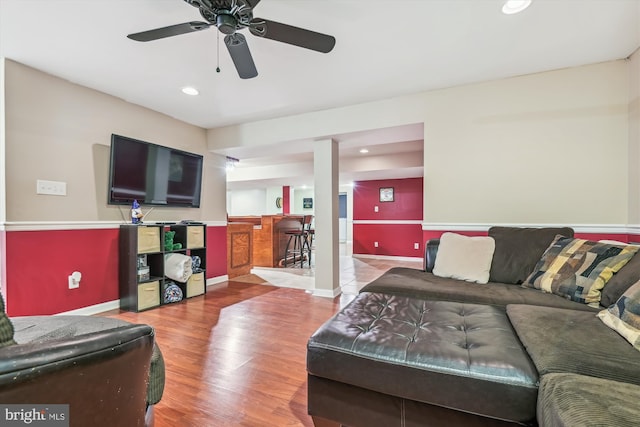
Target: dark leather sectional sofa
x,y
109,372
414,349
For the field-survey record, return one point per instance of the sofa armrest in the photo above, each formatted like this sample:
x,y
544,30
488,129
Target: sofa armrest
x,y
102,376
430,252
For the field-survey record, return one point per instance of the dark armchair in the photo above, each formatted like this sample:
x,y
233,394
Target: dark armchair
x,y
108,371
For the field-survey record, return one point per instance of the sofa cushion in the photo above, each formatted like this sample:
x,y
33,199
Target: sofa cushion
x,y
409,348
417,283
518,249
465,258
155,387
40,329
621,281
572,341
6,327
624,316
569,400
578,269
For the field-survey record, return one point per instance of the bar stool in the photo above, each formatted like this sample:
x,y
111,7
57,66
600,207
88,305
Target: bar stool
x,y
298,244
309,235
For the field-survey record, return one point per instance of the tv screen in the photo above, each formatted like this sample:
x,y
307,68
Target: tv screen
x,y
153,174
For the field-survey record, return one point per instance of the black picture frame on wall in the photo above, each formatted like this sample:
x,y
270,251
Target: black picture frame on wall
x,y
386,194
307,203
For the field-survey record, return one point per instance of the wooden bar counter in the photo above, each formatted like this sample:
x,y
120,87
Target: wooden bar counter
x,y
269,238
239,249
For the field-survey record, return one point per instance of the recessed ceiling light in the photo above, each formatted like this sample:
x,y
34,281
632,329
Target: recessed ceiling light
x,y
190,91
364,151
514,6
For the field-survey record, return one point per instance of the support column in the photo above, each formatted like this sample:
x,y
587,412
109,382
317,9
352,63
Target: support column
x,y
327,250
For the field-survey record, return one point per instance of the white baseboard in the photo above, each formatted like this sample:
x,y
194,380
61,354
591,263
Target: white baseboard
x,y
217,282
92,309
213,281
389,257
327,293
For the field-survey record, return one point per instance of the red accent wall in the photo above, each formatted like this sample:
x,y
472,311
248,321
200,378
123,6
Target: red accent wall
x,y
605,236
3,264
216,252
39,262
393,239
407,203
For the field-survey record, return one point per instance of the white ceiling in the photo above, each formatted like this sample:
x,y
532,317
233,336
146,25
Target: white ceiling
x,y
384,48
393,153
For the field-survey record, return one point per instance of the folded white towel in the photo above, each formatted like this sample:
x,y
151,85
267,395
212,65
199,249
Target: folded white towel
x,y
177,267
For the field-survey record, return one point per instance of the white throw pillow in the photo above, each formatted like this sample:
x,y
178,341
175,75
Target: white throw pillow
x,y
464,258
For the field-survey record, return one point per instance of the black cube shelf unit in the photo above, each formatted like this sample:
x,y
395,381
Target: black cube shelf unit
x,y
143,245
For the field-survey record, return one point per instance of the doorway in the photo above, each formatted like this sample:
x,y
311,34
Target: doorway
x,y
342,217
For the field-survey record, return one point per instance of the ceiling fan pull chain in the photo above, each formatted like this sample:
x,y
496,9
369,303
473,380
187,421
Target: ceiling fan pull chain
x,y
218,52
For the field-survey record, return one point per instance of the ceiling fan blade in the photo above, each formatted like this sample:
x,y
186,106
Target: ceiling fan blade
x,y
292,35
239,51
172,30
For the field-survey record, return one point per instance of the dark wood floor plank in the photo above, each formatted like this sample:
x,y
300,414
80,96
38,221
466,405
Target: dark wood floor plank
x,y
236,356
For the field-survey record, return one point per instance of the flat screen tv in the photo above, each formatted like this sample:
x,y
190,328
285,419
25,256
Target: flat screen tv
x,y
153,174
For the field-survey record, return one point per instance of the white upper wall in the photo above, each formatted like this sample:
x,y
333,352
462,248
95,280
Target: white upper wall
x,y
548,148
60,131
246,202
634,138
297,201
3,204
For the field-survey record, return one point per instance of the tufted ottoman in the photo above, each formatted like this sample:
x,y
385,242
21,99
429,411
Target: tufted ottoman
x,y
464,357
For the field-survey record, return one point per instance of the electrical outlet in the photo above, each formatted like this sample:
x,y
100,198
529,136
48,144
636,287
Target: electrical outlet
x,y
416,246
73,284
54,188
74,280
375,209
375,244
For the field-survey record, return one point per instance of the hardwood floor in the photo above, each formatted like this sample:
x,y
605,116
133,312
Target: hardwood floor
x,y
237,355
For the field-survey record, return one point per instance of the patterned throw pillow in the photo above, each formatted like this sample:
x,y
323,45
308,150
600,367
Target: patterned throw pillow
x,y
6,327
624,316
578,269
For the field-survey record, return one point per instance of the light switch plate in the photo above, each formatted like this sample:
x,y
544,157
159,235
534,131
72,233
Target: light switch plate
x,y
54,188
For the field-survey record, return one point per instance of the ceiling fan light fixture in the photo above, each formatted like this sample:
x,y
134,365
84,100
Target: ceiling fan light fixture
x,y
188,90
226,23
515,6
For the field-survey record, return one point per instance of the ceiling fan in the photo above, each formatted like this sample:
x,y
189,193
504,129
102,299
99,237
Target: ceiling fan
x,y
229,16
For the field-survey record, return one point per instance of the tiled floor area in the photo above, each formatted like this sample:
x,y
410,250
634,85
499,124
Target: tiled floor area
x,y
355,272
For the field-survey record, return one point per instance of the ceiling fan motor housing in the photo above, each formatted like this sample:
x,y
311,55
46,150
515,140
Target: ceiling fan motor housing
x,y
227,15
226,23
